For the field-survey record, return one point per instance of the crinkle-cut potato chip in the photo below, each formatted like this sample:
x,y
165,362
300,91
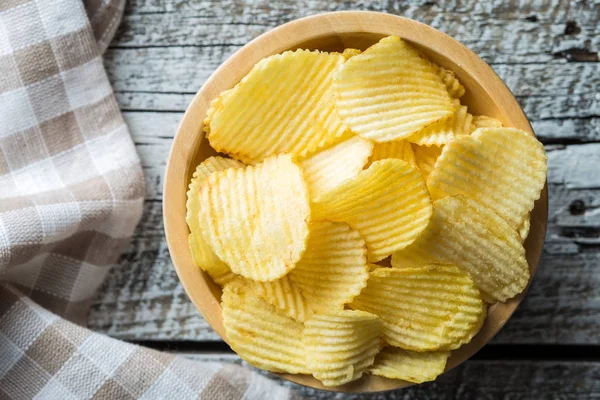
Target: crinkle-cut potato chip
x,y
389,91
411,366
400,149
333,269
259,333
388,204
285,295
349,52
373,267
502,168
482,121
256,219
425,157
341,345
443,131
202,253
284,105
454,87
434,307
524,227
328,168
472,236
208,261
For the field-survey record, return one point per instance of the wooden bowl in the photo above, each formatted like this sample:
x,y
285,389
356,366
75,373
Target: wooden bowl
x,y
486,94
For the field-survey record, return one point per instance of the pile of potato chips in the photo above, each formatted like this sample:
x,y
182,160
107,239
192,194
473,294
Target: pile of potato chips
x,y
340,166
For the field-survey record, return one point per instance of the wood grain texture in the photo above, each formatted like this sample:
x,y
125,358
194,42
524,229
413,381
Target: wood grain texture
x,y
285,10
474,380
166,49
486,37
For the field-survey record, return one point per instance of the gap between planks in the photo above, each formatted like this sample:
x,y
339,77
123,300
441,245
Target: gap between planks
x,y
490,352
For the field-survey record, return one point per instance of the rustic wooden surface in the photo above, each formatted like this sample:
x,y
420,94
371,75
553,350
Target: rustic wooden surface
x,y
547,53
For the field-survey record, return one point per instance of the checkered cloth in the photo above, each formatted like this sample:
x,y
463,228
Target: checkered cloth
x,y
71,193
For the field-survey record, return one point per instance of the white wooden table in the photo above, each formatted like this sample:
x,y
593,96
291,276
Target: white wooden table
x,y
547,53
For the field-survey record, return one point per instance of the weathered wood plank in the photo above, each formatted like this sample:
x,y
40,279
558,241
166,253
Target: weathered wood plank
x,y
475,380
538,109
143,299
496,40
264,11
153,101
184,70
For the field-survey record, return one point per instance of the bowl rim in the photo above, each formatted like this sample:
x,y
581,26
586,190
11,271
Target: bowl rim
x,y
271,42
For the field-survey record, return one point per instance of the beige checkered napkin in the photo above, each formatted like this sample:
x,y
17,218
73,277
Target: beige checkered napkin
x,y
71,193
45,357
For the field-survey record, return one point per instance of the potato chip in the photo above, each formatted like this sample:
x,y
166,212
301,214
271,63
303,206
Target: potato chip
x,y
425,158
524,227
333,269
473,237
373,267
443,131
256,219
503,168
208,261
411,366
389,91
201,251
285,104
341,345
349,52
259,334
328,168
387,204
285,295
400,149
481,121
454,87
434,307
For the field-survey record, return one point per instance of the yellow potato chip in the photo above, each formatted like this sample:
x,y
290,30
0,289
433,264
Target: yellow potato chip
x,y
328,168
284,104
341,345
285,295
473,237
481,121
387,204
201,251
256,219
454,87
524,227
434,307
373,267
400,149
208,261
411,366
443,131
259,333
389,91
333,269
503,168
350,53
425,158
